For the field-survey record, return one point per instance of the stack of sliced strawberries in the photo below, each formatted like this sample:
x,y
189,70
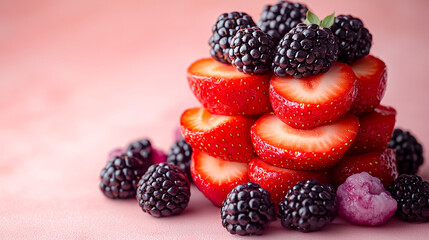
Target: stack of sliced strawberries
x,y
279,131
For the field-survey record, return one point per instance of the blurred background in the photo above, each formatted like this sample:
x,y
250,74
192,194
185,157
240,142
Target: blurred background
x,y
78,78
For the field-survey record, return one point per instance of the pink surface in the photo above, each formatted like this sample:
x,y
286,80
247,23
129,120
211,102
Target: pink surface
x,y
78,78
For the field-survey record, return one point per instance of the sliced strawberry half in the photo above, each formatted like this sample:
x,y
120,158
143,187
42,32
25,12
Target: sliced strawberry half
x,y
227,137
375,131
381,164
278,180
214,177
304,149
314,101
371,73
222,89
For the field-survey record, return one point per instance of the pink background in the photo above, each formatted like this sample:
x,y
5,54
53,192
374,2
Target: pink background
x,y
78,78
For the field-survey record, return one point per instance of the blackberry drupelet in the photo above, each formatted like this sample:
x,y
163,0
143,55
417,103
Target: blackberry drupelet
x,y
409,152
143,146
304,51
412,195
164,190
247,209
308,206
251,51
276,20
180,155
354,40
120,176
224,30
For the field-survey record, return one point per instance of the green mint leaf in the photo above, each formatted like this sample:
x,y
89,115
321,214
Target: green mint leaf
x,y
312,18
328,21
307,22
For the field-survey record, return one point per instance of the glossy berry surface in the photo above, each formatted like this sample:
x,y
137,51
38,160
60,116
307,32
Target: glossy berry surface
x,y
280,18
164,190
409,152
412,195
247,209
354,40
142,146
305,51
308,206
120,176
252,51
363,200
224,30
180,154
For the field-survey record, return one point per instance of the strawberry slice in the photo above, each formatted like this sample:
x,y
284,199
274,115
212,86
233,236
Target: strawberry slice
x,y
227,137
371,73
304,149
214,177
375,131
381,164
278,180
222,89
314,101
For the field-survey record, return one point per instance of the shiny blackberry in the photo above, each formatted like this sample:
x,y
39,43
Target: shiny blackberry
x,y
276,20
251,51
164,190
308,206
120,176
224,30
180,154
304,51
247,209
354,40
409,152
412,195
143,146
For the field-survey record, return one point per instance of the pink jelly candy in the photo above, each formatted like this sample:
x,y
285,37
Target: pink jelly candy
x,y
363,200
158,156
177,134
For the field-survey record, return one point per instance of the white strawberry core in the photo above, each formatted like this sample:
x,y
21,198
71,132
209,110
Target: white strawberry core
x,y
221,171
364,67
199,119
316,89
213,68
275,132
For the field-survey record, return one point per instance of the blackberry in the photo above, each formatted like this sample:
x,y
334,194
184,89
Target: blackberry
x,y
180,155
251,51
120,176
308,206
278,19
354,40
143,146
247,209
412,195
304,51
164,190
224,30
409,152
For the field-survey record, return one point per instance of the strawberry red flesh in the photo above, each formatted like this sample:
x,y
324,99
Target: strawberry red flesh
x,y
314,101
371,73
375,130
303,149
222,89
227,137
278,180
381,164
214,177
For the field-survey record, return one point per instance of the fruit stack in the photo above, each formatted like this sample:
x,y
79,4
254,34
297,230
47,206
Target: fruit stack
x,y
290,106
280,110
